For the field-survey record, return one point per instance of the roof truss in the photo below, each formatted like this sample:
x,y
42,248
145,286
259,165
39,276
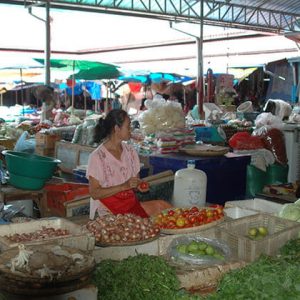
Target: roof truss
x,y
222,13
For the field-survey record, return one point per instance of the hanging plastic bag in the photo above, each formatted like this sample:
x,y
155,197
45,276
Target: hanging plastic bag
x,y
274,141
25,143
268,120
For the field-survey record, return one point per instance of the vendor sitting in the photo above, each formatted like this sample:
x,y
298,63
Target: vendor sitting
x,y
113,170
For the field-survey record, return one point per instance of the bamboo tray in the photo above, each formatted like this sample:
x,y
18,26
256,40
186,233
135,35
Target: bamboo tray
x,y
191,229
25,283
204,150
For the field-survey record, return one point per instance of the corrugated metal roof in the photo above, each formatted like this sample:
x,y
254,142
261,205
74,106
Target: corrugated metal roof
x,y
284,6
265,15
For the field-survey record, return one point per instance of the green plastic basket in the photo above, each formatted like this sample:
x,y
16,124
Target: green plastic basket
x,y
30,165
26,183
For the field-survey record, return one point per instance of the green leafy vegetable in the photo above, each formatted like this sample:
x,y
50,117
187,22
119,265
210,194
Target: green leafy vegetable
x,y
291,251
290,211
265,279
140,277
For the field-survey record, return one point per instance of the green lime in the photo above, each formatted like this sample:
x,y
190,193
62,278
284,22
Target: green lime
x,y
192,247
252,232
219,256
200,252
210,250
202,245
182,249
263,230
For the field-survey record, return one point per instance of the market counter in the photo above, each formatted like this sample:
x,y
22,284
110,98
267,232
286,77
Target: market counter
x,y
226,175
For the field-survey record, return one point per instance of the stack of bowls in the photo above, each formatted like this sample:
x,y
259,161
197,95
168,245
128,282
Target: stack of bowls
x,y
29,171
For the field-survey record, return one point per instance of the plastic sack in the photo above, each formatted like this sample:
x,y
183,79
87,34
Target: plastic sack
x,y
174,255
161,115
256,180
268,121
273,140
77,134
25,143
245,141
278,107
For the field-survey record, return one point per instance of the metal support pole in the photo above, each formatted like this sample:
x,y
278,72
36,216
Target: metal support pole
x,y
199,56
48,37
48,49
200,81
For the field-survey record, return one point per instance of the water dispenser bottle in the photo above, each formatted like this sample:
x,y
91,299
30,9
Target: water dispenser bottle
x,y
189,187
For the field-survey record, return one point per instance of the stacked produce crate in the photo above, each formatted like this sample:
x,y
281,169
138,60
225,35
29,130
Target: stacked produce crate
x,y
45,144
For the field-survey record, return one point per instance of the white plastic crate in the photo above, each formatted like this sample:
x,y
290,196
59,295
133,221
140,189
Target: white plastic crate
x,y
237,212
256,204
78,238
235,234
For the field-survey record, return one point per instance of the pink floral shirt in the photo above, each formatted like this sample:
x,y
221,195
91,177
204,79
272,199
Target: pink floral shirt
x,y
108,170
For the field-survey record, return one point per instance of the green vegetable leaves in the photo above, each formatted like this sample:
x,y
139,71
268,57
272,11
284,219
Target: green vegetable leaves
x,y
267,278
139,277
290,211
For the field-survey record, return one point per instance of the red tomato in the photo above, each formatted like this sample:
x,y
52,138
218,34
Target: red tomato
x,y
200,219
219,210
171,212
209,220
185,214
187,222
194,209
172,218
171,224
192,219
143,186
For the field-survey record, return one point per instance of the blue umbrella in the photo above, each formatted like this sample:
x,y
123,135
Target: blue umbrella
x,y
155,77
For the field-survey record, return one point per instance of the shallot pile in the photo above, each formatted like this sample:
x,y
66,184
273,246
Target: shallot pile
x,y
122,228
44,233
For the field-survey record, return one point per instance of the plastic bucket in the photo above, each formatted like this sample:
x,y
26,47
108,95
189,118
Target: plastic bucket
x,y
277,174
245,107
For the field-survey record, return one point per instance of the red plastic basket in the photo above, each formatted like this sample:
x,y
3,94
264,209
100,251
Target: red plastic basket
x,y
58,194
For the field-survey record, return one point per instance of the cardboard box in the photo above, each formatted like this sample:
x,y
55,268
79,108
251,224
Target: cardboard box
x,y
39,150
46,141
8,143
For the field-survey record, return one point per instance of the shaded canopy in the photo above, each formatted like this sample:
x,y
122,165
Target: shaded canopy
x,y
155,77
100,72
84,69
76,65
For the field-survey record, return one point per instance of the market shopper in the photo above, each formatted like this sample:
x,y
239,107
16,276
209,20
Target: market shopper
x,y
113,170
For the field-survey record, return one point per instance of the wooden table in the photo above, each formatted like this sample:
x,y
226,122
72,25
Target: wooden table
x,y
9,193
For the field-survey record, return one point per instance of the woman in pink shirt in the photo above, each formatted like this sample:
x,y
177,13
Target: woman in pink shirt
x,y
113,168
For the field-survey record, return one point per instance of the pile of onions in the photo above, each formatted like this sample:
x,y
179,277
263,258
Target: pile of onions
x,y
44,233
122,228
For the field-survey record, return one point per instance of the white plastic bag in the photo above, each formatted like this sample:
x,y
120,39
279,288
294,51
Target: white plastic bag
x,y
179,258
25,143
267,121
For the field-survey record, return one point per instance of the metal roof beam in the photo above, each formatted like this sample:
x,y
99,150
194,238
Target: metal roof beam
x,y
218,13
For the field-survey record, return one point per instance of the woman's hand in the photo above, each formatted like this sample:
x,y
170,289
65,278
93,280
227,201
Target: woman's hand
x,y
99,192
132,182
